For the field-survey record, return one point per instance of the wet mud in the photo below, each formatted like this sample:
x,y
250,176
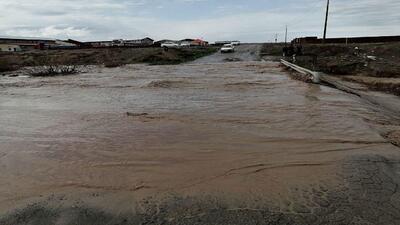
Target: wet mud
x,y
199,143
368,195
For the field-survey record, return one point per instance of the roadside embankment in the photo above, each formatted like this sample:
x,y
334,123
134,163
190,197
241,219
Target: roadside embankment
x,y
388,103
347,84
110,57
375,65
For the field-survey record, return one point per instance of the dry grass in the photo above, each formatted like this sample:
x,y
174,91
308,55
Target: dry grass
x,y
6,65
341,59
109,57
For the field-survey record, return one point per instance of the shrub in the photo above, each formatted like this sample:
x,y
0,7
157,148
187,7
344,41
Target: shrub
x,y
53,70
53,66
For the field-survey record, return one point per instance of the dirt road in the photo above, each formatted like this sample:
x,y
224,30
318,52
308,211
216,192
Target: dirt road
x,y
201,143
244,52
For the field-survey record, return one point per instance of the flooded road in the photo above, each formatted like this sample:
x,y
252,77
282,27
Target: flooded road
x,y
243,133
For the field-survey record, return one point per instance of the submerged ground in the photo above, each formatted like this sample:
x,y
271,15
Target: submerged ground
x,y
209,142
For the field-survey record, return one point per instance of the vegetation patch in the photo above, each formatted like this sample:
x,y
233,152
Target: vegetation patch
x,y
53,70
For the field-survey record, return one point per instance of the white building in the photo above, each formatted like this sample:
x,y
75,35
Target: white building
x,y
64,44
10,48
27,42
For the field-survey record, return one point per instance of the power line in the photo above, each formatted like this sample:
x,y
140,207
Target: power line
x,y
310,10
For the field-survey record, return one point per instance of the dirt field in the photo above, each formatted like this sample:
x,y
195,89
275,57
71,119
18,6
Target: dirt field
x,y
206,142
101,56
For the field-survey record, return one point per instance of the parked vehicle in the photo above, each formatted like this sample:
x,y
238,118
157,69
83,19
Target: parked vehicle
x,y
118,42
228,48
184,44
234,43
169,45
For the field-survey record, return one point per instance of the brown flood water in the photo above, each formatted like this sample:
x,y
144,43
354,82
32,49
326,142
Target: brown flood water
x,y
241,129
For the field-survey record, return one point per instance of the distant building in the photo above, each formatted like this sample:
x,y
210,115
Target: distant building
x,y
10,48
220,43
78,44
118,43
64,44
183,42
199,42
160,42
193,42
28,43
306,40
346,40
139,42
99,44
122,43
186,42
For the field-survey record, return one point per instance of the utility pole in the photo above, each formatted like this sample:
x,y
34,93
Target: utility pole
x,y
276,38
326,20
286,36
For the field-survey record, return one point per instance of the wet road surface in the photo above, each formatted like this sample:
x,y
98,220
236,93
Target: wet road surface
x,y
200,143
244,52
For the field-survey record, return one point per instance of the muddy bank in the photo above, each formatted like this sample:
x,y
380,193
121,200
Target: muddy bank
x,y
110,57
388,85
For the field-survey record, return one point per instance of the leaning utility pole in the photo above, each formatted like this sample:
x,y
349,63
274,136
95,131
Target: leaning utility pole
x,y
326,20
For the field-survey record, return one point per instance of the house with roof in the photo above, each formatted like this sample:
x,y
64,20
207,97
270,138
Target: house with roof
x,y
144,42
139,42
10,48
26,43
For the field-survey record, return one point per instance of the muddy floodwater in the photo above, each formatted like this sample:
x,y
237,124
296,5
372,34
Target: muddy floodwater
x,y
199,143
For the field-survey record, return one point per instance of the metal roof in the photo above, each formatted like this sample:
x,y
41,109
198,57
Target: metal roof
x,y
27,38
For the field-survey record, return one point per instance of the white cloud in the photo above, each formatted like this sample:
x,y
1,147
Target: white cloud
x,y
50,31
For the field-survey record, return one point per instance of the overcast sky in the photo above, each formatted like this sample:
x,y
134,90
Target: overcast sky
x,y
245,20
